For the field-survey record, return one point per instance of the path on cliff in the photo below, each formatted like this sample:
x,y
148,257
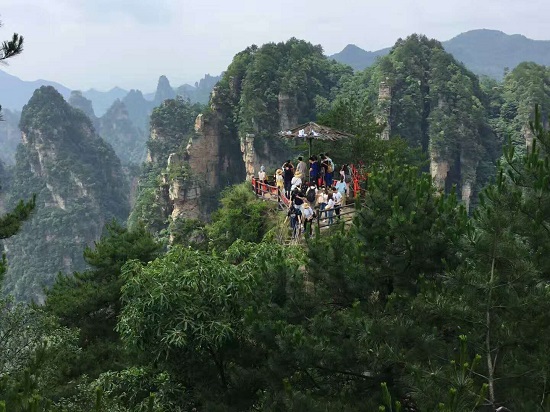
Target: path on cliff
x,y
271,193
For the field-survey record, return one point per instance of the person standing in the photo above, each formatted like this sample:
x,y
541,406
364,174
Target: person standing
x,y
301,167
279,181
313,170
329,209
337,197
294,214
308,220
262,174
321,201
288,174
323,169
296,181
341,187
330,170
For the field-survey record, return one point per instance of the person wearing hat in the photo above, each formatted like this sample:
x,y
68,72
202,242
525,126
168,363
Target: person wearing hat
x,y
307,215
279,181
296,181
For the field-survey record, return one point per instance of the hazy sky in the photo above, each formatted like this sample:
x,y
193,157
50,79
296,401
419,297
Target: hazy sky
x,y
129,43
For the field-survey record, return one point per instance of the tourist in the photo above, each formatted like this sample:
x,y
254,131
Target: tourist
x,y
337,196
308,219
301,167
330,170
294,214
296,181
311,193
288,174
323,169
279,181
313,170
321,201
329,208
342,188
262,175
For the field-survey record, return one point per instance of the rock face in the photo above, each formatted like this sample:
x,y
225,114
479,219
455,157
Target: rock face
x,y
429,99
79,184
263,91
288,111
78,101
164,90
10,136
384,109
117,128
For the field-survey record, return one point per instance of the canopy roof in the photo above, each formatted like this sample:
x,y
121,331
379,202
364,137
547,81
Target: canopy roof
x,y
314,131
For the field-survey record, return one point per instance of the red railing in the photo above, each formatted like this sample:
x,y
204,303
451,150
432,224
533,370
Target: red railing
x,y
269,192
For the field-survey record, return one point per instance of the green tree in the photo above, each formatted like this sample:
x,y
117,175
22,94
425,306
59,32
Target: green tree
x,y
241,216
90,301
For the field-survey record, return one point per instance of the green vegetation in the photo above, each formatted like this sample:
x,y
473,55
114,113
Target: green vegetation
x,y
436,104
419,304
172,125
117,128
416,304
79,185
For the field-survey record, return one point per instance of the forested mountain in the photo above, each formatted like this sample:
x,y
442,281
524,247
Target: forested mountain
x,y
265,89
418,303
117,128
358,58
10,136
523,88
16,93
433,102
103,100
484,52
78,101
200,92
79,185
139,109
492,52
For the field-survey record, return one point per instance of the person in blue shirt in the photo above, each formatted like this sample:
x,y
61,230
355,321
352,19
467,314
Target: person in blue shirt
x,y
313,169
341,187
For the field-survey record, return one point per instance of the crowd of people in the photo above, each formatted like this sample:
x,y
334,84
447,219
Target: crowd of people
x,y
314,189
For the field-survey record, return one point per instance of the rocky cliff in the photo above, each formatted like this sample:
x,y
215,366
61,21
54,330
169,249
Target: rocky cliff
x,y
264,90
428,98
79,184
269,89
10,136
117,128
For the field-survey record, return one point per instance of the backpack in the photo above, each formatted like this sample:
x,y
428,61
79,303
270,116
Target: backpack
x,y
330,167
310,195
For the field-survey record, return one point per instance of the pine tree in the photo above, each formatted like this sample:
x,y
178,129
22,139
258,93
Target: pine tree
x,y
9,49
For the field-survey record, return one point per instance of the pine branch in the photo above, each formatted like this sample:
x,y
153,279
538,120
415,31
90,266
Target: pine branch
x,y
11,222
11,48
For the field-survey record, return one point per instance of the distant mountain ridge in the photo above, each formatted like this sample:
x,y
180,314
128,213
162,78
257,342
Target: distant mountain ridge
x,y
15,93
484,52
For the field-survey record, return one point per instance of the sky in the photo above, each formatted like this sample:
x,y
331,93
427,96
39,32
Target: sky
x,y
100,44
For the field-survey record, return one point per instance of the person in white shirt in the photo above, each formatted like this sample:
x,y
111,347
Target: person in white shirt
x,y
296,181
337,196
262,175
329,208
308,219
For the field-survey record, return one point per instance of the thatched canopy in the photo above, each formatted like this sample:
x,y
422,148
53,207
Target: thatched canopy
x,y
313,131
